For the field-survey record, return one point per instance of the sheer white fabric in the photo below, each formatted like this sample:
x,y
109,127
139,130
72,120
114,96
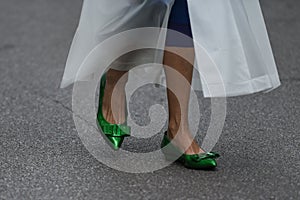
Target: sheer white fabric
x,y
232,32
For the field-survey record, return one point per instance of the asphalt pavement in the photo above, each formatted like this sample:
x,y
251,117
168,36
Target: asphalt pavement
x,y
42,156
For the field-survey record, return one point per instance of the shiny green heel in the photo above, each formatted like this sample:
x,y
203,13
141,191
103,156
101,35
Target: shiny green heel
x,y
114,133
196,161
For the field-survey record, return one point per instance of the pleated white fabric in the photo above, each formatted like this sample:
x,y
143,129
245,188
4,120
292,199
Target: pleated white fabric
x,y
232,32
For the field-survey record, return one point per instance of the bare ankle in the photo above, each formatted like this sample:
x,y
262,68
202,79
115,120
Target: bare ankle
x,y
175,129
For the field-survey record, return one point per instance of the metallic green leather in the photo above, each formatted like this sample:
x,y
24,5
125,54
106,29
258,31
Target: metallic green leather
x,y
195,161
115,133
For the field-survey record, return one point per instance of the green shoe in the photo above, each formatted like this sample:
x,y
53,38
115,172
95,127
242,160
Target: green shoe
x,y
114,133
195,161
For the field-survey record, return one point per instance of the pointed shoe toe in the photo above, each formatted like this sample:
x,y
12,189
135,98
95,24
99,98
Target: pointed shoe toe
x,y
116,142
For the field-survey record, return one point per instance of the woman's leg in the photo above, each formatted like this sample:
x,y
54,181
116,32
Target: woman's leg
x,y
178,116
114,108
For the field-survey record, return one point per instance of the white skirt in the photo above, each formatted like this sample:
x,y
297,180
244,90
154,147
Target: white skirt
x,y
233,52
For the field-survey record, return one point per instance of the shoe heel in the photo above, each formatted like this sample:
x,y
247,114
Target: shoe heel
x,y
170,152
169,156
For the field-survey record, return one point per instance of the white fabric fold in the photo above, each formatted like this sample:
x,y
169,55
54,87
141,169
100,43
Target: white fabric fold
x,y
233,51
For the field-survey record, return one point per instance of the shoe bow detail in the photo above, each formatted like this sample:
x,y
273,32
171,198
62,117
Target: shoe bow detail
x,y
115,130
201,156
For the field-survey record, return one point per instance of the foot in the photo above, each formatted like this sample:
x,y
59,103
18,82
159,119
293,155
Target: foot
x,y
185,140
194,161
114,130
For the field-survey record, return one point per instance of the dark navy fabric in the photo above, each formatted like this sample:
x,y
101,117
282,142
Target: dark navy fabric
x,y
179,21
179,13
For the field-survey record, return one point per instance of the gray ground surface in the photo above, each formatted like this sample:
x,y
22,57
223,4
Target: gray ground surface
x,y
42,156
